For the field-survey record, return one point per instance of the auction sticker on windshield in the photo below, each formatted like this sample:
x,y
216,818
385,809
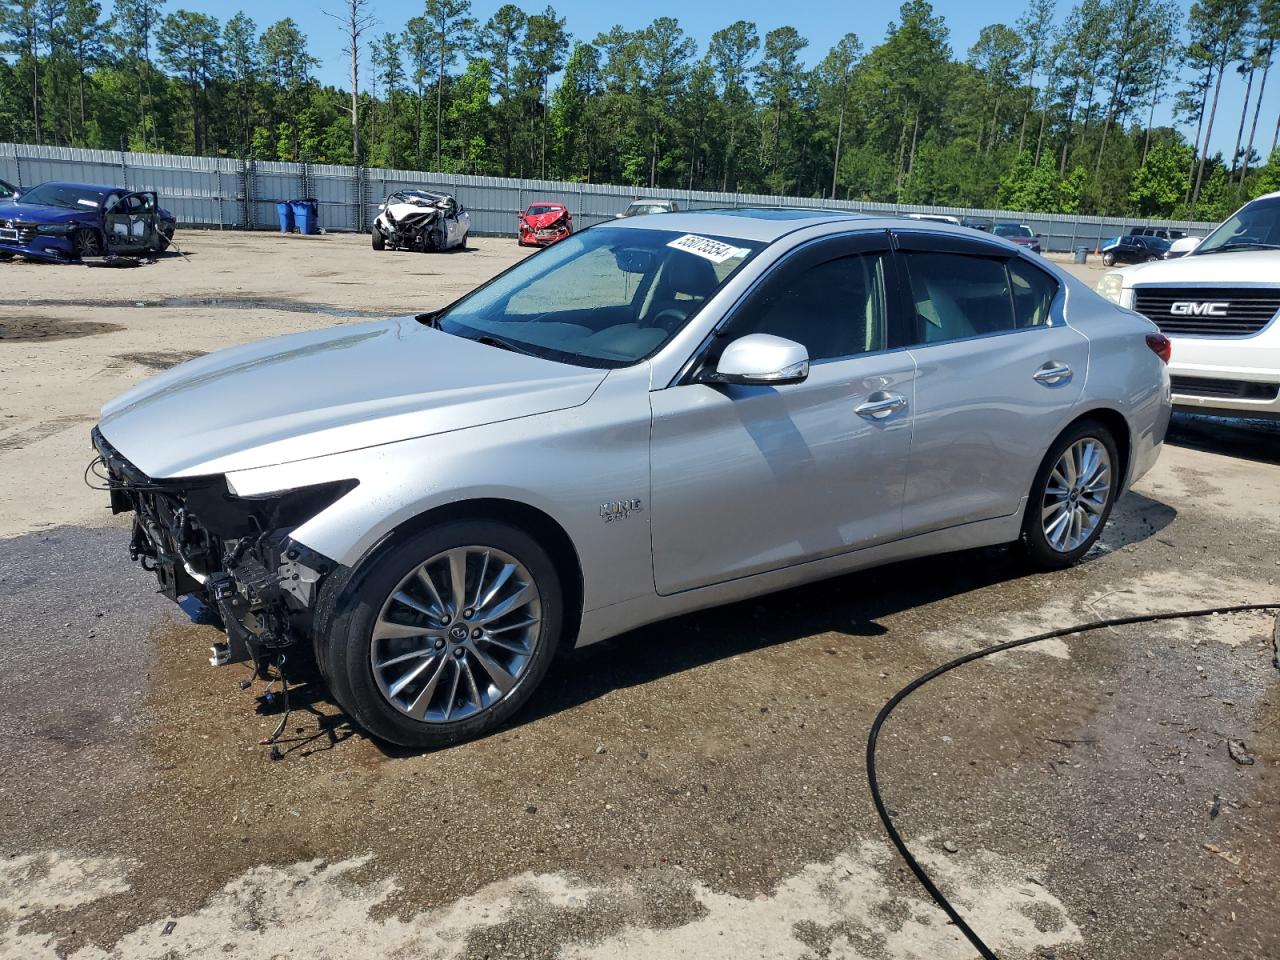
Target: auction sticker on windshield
x,y
709,249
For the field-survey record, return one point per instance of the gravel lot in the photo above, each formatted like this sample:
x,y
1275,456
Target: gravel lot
x,y
692,789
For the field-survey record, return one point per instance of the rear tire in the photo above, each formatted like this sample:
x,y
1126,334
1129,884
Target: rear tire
x,y
1072,496
501,634
379,242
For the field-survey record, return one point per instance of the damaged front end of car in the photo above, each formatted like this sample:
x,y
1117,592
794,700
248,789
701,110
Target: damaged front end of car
x,y
415,220
232,553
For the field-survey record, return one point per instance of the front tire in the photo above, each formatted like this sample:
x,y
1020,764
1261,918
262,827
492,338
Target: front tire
x,y
1109,259
92,243
379,241
447,635
1072,496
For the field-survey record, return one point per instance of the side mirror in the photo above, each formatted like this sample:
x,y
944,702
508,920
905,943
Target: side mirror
x,y
760,359
1183,246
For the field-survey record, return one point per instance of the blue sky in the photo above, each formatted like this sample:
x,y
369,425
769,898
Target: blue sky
x,y
822,23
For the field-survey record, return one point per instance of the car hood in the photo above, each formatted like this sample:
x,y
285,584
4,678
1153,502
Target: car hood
x,y
37,213
540,221
1255,266
327,391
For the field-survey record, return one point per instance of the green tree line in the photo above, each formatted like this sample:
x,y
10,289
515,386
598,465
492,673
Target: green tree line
x,y
1039,115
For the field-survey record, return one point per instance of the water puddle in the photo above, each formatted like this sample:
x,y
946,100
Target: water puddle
x,y
45,328
216,303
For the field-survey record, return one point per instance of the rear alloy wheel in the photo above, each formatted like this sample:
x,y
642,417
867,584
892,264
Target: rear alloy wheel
x,y
1072,496
448,635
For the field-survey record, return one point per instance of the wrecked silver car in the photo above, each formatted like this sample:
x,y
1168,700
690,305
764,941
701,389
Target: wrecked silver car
x,y
420,220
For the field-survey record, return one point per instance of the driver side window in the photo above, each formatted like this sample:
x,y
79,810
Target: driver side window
x,y
834,309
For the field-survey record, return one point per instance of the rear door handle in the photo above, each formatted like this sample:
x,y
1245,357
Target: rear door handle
x,y
1052,372
880,405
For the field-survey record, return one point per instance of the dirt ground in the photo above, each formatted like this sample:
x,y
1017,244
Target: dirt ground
x,y
696,788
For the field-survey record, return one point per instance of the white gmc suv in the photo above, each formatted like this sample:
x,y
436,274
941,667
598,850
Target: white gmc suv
x,y
1218,305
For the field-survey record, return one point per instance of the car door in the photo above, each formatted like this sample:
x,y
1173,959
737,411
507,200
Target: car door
x,y
130,224
747,479
997,371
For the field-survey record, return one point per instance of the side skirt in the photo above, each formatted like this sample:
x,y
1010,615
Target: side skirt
x,y
605,622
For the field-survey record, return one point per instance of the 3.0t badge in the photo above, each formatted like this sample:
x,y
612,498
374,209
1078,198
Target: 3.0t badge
x,y
619,509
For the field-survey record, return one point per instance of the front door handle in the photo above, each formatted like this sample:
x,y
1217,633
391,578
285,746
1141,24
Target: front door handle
x,y
880,405
1052,373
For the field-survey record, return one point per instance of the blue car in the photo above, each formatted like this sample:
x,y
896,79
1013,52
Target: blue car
x,y
65,222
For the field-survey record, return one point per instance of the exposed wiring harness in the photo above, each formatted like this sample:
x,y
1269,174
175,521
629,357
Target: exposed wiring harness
x,y
873,782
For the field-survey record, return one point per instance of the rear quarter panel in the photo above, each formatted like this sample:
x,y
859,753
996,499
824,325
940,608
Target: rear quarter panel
x,y
1124,374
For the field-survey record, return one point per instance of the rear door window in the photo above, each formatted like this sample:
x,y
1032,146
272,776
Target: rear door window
x,y
1033,292
956,296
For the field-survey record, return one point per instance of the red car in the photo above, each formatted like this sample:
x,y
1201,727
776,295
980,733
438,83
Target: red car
x,y
544,223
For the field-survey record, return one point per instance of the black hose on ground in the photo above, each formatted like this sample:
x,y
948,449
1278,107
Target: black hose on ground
x,y
930,887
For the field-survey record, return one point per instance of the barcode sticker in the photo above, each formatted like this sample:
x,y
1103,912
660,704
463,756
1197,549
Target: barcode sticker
x,y
709,249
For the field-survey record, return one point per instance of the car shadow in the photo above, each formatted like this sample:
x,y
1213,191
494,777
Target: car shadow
x,y
852,605
1245,439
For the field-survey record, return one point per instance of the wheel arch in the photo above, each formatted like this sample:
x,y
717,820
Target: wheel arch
x,y
533,521
1121,432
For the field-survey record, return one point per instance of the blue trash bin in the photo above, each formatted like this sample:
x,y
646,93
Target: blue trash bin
x,y
306,214
284,211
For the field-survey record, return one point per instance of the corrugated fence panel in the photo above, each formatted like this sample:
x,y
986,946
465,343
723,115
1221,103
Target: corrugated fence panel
x,y
223,192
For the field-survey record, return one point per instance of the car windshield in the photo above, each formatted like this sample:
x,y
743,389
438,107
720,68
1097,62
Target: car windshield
x,y
540,208
606,297
1012,230
1256,226
414,196
64,195
647,208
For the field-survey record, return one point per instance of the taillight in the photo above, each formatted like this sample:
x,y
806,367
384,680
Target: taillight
x,y
1160,345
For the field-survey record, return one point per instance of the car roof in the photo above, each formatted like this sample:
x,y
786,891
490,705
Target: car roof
x,y
764,224
768,224
545,203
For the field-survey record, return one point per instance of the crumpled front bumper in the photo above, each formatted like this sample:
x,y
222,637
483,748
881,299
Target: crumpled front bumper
x,y
542,237
233,554
53,249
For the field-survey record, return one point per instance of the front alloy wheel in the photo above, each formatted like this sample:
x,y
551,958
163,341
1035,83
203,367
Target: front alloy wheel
x,y
1072,497
456,634
446,634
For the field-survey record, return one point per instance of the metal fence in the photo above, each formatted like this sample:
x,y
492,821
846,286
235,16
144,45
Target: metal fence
x,y
222,193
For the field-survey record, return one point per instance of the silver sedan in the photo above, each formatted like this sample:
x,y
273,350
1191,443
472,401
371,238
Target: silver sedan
x,y
655,415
